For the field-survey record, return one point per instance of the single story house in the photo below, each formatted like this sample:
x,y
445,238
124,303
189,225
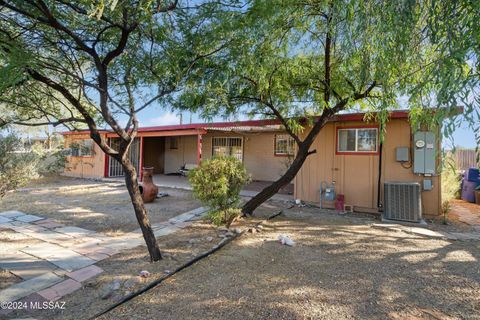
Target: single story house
x,y
349,153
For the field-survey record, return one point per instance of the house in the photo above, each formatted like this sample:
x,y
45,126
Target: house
x,y
349,152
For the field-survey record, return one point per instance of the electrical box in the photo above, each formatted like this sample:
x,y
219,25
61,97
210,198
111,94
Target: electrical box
x,y
402,154
427,185
425,149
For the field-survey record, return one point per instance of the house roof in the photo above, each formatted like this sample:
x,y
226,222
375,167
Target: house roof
x,y
248,125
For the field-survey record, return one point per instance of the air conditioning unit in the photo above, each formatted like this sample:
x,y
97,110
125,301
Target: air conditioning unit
x,y
403,201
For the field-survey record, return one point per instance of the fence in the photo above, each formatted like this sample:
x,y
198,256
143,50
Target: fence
x,y
465,158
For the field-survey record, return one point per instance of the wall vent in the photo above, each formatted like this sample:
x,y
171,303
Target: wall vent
x,y
403,201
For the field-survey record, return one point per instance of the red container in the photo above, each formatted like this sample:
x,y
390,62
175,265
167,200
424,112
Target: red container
x,y
339,202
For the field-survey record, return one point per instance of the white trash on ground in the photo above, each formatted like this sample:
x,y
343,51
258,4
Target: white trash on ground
x,y
144,274
284,239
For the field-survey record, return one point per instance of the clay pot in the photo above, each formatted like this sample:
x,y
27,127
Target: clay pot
x,y
149,189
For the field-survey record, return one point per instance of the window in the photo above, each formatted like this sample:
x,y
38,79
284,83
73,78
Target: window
x,y
227,147
284,145
173,142
81,148
359,140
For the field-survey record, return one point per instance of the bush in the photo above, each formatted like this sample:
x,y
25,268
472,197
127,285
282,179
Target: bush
x,y
450,180
217,184
16,168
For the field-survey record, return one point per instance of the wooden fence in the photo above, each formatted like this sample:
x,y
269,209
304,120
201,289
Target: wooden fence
x,y
464,158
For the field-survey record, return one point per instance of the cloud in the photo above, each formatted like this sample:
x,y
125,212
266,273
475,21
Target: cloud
x,y
163,120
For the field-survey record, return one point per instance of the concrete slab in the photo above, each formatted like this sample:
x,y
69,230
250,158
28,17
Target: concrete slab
x,y
4,220
156,226
74,231
425,232
24,265
59,256
123,244
59,290
32,300
25,288
182,225
165,231
29,218
49,224
85,273
11,214
45,235
97,256
18,224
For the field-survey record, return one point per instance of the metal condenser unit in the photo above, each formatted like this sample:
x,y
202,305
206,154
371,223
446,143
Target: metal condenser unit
x,y
403,201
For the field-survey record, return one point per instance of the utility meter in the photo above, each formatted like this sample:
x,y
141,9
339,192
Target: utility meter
x,y
425,152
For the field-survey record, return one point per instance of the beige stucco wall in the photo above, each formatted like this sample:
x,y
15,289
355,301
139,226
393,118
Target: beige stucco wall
x,y
356,176
258,153
186,153
86,166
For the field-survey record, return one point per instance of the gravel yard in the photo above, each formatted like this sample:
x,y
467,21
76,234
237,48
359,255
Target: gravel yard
x,y
99,206
340,268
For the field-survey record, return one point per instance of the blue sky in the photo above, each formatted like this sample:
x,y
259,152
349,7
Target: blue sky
x,y
155,116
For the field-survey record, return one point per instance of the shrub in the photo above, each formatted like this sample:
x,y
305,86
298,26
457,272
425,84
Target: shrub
x,y
217,184
446,206
16,168
450,180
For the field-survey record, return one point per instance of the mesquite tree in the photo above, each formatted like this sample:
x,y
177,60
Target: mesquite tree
x,y
303,62
89,64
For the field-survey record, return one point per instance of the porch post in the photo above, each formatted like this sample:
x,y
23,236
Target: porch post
x,y
106,167
140,165
199,148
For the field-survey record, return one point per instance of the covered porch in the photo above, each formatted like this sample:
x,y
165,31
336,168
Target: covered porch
x,y
250,190
167,151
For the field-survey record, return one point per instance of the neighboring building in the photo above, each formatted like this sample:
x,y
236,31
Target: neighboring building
x,y
348,152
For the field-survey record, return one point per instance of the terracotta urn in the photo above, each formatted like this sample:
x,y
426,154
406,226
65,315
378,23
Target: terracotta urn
x,y
149,189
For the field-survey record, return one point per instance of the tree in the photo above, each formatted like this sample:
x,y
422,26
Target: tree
x,y
89,64
303,62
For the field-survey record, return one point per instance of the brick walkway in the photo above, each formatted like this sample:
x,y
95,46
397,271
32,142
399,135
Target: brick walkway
x,y
468,213
63,256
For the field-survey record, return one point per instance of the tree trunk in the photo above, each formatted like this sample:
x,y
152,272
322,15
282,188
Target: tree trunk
x,y
302,154
272,189
140,211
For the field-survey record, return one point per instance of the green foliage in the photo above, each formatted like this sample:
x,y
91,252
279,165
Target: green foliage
x,y
450,179
50,161
224,217
217,183
445,210
276,60
16,168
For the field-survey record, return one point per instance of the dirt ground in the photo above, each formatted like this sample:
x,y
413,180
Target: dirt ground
x,y
124,267
340,268
99,206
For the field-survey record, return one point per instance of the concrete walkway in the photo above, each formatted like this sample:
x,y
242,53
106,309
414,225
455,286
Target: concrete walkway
x,y
420,231
63,256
